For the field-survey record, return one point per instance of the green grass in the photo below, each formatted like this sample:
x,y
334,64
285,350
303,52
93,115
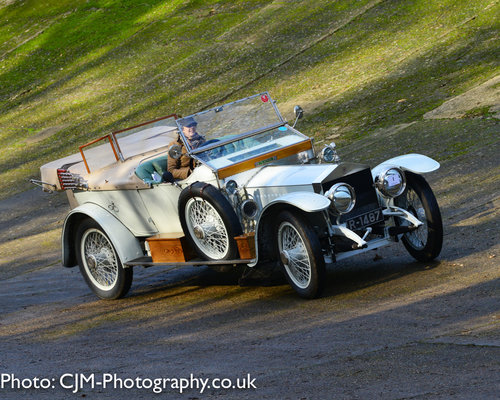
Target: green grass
x,y
71,71
440,139
479,112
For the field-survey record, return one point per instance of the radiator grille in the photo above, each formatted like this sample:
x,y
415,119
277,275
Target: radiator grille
x,y
366,196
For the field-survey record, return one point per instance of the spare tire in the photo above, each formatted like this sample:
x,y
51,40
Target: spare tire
x,y
209,222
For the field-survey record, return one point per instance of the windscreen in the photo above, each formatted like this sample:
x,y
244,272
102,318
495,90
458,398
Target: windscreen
x,y
241,117
251,147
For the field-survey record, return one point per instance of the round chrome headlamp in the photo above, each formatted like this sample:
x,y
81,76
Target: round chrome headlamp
x,y
329,153
249,208
342,198
391,182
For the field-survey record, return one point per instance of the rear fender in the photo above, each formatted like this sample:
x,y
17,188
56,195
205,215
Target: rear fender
x,y
126,244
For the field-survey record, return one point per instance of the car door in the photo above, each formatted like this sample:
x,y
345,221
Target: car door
x,y
161,204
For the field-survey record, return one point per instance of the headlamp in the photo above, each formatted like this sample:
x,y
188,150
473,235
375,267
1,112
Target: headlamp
x,y
342,198
391,182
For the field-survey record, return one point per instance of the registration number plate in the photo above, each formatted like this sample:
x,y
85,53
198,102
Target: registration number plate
x,y
364,220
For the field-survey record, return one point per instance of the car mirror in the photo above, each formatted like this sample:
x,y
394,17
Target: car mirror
x,y
175,151
299,113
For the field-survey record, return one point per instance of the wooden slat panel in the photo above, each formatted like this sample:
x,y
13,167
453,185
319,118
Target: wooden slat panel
x,y
170,248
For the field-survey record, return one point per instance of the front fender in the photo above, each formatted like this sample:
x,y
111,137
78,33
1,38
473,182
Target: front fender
x,y
416,163
306,201
126,244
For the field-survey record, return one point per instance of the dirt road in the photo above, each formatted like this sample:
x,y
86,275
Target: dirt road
x,y
387,327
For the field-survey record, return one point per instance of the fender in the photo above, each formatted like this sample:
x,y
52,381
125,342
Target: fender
x,y
416,163
305,201
127,246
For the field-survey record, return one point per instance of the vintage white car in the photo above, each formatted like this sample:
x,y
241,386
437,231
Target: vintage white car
x,y
258,192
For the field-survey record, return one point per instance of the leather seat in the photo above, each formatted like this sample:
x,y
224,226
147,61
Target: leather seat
x,y
146,169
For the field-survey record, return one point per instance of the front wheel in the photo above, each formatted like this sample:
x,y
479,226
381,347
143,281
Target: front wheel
x,y
425,242
99,263
300,255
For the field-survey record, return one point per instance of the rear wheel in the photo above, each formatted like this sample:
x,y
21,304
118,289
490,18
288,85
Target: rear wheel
x,y
99,263
425,242
300,255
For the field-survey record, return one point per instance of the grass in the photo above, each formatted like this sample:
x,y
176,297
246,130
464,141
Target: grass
x,y
479,112
71,71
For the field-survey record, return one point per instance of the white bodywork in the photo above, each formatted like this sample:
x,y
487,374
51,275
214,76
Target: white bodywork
x,y
126,244
306,201
142,211
416,163
146,211
287,184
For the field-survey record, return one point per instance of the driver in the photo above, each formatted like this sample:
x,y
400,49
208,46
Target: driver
x,y
182,167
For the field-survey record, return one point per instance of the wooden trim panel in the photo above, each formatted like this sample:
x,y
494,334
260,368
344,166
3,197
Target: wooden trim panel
x,y
278,154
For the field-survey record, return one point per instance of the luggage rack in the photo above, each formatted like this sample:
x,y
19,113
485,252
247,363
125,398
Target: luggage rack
x,y
148,262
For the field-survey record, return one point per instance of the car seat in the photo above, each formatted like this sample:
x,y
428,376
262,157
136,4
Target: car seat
x,y
146,169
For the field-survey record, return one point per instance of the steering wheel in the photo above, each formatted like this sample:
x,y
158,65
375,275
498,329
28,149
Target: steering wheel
x,y
216,152
220,151
211,141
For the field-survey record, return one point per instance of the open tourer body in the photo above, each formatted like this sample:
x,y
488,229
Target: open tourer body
x,y
259,192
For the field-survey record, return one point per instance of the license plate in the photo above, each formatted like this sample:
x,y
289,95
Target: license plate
x,y
364,220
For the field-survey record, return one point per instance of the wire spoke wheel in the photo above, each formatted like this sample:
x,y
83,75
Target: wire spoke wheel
x,y
425,242
99,262
300,254
207,228
294,255
419,237
99,259
209,222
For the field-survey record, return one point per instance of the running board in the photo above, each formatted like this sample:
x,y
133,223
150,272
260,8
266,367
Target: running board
x,y
148,262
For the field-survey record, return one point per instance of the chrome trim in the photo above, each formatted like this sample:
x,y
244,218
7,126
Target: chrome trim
x,y
256,208
371,245
341,230
38,183
273,102
379,182
330,194
399,212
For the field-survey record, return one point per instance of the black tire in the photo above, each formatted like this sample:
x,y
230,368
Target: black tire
x,y
294,235
99,263
424,243
209,222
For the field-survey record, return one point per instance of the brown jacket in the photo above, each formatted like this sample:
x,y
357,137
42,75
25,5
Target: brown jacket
x,y
183,166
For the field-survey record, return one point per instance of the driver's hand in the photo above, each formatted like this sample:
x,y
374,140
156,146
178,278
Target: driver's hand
x,y
193,164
